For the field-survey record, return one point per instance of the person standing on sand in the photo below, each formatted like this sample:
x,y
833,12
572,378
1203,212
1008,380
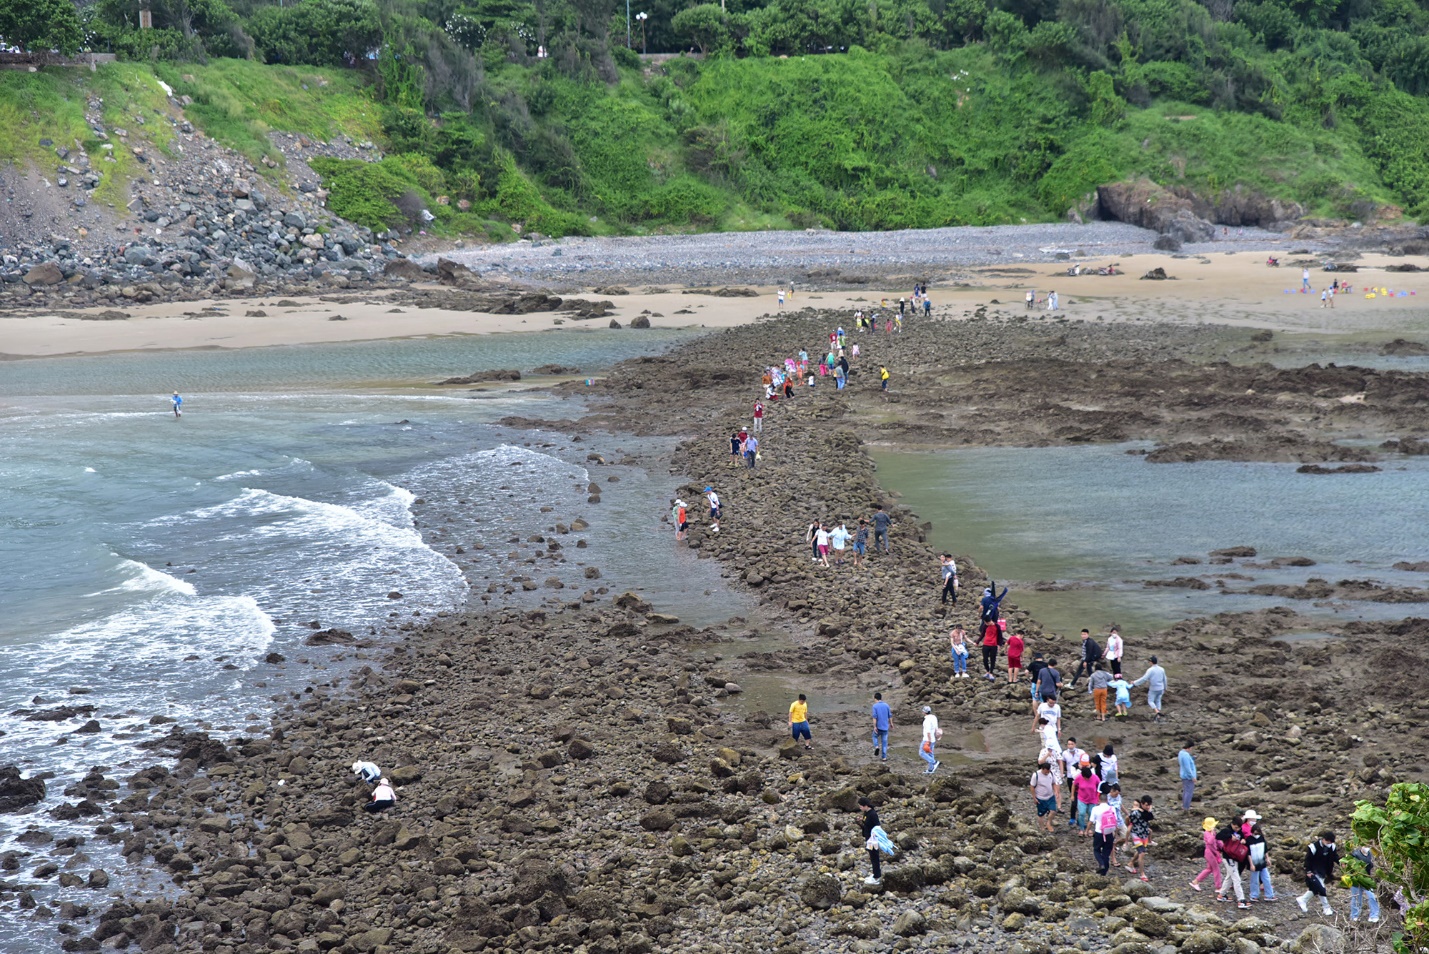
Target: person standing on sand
x,y
799,721
1031,297
931,735
1047,794
1155,679
1187,764
882,722
958,646
1304,281
1015,645
178,404
781,297
950,579
881,522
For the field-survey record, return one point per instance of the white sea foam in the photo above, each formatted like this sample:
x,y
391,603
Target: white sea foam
x,y
238,475
146,579
90,470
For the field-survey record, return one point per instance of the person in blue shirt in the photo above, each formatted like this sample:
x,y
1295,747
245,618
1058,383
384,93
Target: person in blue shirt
x,y
882,719
178,404
1188,775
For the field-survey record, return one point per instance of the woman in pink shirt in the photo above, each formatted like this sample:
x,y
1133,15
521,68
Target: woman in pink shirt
x,y
1213,856
1086,785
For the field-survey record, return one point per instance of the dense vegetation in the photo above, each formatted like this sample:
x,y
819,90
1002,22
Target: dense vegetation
x,y
858,115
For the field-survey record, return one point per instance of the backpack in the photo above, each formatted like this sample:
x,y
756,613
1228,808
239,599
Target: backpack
x,y
1001,633
1235,849
1094,652
1257,855
1108,822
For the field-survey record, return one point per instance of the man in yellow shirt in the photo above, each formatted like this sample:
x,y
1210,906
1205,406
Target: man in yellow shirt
x,y
799,721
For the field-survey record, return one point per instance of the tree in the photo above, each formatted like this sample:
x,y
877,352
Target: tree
x,y
706,25
39,26
1399,832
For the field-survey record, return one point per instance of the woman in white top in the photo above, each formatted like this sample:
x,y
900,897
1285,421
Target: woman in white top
x,y
383,797
931,735
1115,648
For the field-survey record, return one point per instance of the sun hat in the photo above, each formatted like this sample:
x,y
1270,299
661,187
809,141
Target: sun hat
x,y
1250,815
1208,824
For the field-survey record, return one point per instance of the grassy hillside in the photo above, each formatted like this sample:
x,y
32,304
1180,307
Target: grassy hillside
x,y
913,137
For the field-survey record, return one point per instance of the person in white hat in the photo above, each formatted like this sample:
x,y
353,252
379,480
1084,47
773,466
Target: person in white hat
x,y
383,797
367,771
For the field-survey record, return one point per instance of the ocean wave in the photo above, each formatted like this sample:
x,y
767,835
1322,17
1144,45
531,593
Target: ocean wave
x,y
148,579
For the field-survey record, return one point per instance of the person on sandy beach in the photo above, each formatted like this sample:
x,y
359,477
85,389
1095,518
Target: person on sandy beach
x,y
931,735
799,721
1155,679
178,404
882,722
958,646
949,570
1304,281
781,298
1047,794
1031,298
383,797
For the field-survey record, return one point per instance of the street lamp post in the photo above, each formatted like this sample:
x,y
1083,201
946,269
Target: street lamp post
x,y
627,24
642,17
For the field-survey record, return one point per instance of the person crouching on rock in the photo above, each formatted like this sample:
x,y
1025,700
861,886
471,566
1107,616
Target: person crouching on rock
x,y
367,771
383,797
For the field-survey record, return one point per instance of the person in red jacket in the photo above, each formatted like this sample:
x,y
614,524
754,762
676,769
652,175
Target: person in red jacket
x,y
1014,657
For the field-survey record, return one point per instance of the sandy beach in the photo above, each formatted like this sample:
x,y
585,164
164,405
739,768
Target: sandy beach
x,y
1233,289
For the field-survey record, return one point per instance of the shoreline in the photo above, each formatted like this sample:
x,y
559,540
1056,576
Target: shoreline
x,y
586,774
1235,289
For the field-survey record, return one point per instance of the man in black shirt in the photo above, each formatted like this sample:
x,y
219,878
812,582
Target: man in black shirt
x,y
1320,860
870,822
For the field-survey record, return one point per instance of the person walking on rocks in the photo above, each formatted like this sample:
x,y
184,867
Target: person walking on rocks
x,y
1100,683
931,735
821,543
751,451
882,721
991,637
871,830
950,579
1047,794
838,539
1211,851
991,629
881,522
1260,886
883,377
1234,853
1091,654
799,721
1155,679
758,417
1087,787
958,646
1187,764
860,542
1320,859
715,510
1359,893
1047,685
383,798
1103,822
1015,645
1115,649
1122,690
1051,752
1139,825
811,537
736,447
